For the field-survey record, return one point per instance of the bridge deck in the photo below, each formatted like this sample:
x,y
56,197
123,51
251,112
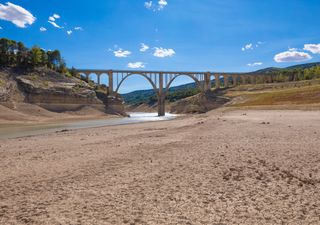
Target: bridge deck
x,y
163,72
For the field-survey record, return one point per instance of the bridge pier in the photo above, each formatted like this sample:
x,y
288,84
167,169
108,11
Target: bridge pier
x,y
207,82
226,80
161,105
243,80
98,78
217,79
235,80
110,76
161,97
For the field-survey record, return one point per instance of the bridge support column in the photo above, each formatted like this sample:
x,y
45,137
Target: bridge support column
x,y
217,79
98,78
110,76
235,80
243,80
207,82
161,97
225,80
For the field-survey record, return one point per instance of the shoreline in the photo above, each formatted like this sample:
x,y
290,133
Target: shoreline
x,y
19,130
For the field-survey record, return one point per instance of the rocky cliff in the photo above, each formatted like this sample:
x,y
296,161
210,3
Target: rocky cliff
x,y
54,92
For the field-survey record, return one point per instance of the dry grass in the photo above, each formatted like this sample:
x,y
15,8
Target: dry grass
x,y
286,96
2,83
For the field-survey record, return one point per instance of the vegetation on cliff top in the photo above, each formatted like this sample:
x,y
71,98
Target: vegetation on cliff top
x,y
16,54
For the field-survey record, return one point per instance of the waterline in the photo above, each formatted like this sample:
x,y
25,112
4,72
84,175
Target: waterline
x,y
31,130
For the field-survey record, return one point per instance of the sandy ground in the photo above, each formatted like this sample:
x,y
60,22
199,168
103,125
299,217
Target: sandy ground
x,y
236,167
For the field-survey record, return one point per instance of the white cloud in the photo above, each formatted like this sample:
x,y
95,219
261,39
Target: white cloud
x,y
314,48
144,47
16,15
148,5
292,56
251,46
255,64
136,65
156,7
247,47
162,4
55,24
121,53
293,49
43,29
163,52
78,28
54,17
69,32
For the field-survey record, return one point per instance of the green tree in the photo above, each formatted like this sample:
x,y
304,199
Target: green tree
x,y
36,57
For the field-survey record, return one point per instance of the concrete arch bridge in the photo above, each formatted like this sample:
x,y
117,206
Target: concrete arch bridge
x,y
161,81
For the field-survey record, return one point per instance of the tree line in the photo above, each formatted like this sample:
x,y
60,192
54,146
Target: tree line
x,y
16,54
296,74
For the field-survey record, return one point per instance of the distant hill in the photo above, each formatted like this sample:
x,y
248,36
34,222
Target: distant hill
x,y
304,66
276,69
268,70
144,96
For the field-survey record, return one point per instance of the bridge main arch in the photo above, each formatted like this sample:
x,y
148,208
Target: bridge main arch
x,y
154,86
197,81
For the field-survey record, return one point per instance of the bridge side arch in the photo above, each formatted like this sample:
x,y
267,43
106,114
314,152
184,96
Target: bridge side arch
x,y
198,83
154,86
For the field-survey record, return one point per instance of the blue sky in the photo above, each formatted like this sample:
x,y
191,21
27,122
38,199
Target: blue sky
x,y
182,35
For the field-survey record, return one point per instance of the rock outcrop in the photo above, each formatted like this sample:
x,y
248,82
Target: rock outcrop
x,y
199,103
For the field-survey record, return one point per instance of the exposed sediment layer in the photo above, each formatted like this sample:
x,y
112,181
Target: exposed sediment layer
x,y
54,92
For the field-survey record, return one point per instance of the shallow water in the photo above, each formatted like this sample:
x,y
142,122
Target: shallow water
x,y
30,130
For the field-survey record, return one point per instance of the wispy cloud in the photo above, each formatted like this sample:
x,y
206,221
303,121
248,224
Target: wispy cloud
x,y
69,32
54,17
16,15
251,46
43,29
292,55
247,47
136,65
148,5
144,47
121,53
160,5
52,20
313,48
255,64
55,24
163,52
78,28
